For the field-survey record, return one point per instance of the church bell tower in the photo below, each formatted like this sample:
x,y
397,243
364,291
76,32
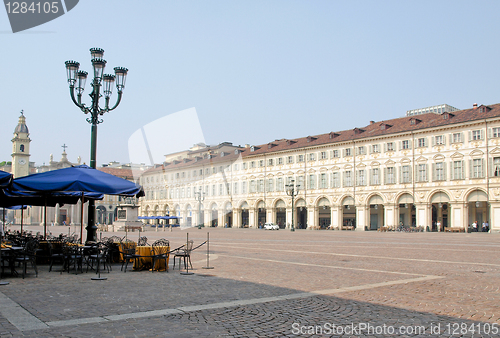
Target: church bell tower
x,y
21,149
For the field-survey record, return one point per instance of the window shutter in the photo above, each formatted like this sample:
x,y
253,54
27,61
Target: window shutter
x,y
444,140
481,134
400,145
434,174
463,170
490,132
417,176
490,167
425,141
401,174
470,168
385,175
426,173
385,147
452,172
433,141
451,138
444,171
395,175
470,135
409,144
482,167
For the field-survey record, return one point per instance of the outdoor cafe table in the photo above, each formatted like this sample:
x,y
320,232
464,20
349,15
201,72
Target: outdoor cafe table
x,y
146,259
10,252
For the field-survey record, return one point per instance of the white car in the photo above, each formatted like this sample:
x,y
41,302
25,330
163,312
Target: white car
x,y
271,226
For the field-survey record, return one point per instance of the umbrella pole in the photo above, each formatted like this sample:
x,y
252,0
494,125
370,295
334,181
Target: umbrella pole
x,y
45,219
3,232
81,219
22,216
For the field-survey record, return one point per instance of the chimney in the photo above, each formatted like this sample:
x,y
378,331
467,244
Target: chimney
x,y
372,122
474,106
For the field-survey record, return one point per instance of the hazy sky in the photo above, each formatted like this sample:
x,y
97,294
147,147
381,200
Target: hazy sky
x,y
254,70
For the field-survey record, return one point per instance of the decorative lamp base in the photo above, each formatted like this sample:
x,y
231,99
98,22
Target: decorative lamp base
x,y
99,278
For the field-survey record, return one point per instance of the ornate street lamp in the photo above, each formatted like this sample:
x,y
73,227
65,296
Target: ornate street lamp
x,y
292,190
76,81
200,197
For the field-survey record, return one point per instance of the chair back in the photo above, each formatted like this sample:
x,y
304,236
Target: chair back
x,y
129,246
187,249
143,241
31,247
115,239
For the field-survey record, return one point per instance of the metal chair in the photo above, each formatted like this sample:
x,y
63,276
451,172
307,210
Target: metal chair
x,y
100,255
143,241
161,252
184,253
73,256
54,255
128,248
28,255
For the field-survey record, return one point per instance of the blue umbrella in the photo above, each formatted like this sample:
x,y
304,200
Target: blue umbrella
x,y
77,179
5,179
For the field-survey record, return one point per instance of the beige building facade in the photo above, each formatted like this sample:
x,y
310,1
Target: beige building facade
x,y
434,171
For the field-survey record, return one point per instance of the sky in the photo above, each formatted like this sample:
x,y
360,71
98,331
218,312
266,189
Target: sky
x,y
254,71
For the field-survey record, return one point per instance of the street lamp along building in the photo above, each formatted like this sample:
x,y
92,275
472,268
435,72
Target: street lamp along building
x,y
436,172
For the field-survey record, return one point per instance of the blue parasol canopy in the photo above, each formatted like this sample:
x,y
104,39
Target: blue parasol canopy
x,y
77,179
5,179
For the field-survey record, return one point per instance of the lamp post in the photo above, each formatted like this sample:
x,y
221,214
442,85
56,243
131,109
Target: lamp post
x,y
78,78
200,197
292,190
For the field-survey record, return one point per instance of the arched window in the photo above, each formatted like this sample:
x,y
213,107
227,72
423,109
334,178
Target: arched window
x,y
22,148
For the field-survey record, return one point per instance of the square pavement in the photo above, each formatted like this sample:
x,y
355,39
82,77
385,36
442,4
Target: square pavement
x,y
274,284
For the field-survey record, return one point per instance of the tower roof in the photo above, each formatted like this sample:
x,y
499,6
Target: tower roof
x,y
21,125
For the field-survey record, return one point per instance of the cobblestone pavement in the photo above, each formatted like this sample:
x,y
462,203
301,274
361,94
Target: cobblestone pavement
x,y
275,284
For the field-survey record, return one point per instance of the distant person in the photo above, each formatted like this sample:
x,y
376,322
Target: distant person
x,y
474,226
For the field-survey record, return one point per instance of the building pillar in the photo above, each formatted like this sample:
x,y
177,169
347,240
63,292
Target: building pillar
x,y
457,216
221,217
57,214
313,217
207,219
422,215
252,215
335,216
390,218
362,212
289,218
494,217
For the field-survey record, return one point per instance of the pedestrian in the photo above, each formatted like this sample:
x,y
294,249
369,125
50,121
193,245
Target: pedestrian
x,y
474,226
487,227
483,227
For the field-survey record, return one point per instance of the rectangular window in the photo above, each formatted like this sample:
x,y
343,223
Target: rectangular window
x,y
347,178
348,152
476,135
323,154
252,164
405,174
495,132
235,188
245,165
312,157
280,160
221,190
389,146
299,182
360,150
390,175
244,187
496,167
289,159
213,190
405,144
336,180
270,184
270,162
300,158
457,170
261,163
279,184
457,138
477,168
323,183
260,186
360,177
335,154
422,173
375,148
375,177
312,182
421,142
214,170
439,140
439,172
252,187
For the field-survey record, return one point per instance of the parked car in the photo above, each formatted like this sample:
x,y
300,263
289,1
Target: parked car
x,y
271,226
